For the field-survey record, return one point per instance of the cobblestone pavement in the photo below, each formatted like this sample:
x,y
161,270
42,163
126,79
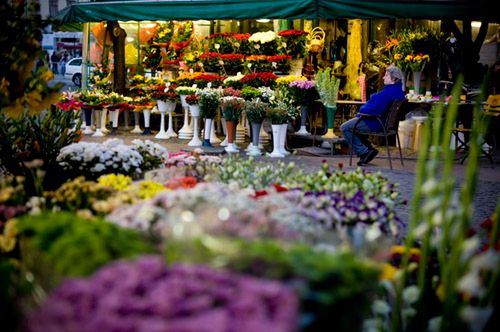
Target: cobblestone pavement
x,y
485,199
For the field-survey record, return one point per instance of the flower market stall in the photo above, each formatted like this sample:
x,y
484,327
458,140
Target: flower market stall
x,y
132,237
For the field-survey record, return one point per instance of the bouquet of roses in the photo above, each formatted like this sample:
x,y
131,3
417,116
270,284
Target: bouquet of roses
x,y
192,99
68,101
231,64
186,79
293,42
240,43
220,42
210,61
165,92
259,79
263,43
232,107
279,63
210,80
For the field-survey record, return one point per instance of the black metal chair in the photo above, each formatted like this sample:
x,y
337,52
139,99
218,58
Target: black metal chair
x,y
389,128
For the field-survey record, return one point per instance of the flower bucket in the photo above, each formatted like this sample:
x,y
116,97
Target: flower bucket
x,y
330,114
416,82
254,149
276,153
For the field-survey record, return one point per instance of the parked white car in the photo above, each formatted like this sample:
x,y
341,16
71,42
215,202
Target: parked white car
x,y
74,71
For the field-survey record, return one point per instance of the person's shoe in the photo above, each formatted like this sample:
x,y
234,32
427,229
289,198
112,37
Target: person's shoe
x,y
367,157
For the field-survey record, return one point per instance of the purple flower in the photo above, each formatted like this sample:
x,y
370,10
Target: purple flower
x,y
145,295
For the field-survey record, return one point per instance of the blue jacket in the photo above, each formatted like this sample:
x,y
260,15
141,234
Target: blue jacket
x,y
379,104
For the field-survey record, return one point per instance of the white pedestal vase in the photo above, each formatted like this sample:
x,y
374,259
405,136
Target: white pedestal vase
x,y
185,132
303,117
213,137
276,153
104,118
263,137
283,139
254,149
195,114
163,107
137,127
125,118
98,116
170,130
114,114
209,126
88,120
224,129
147,117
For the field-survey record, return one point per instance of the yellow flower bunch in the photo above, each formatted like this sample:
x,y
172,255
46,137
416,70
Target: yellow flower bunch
x,y
285,80
417,62
148,189
117,181
8,238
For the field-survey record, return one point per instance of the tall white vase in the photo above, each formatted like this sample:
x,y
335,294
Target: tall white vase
x,y
416,81
137,128
185,132
283,139
164,107
213,137
206,132
276,153
147,117
114,114
224,129
98,128
195,114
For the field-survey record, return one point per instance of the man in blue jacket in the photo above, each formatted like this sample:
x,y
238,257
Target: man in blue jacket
x,y
378,105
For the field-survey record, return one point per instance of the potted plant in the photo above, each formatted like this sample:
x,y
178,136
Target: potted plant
x,y
278,115
304,93
256,111
209,100
328,88
231,107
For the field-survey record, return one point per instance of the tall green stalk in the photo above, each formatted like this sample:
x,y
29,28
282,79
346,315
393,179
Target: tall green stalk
x,y
439,223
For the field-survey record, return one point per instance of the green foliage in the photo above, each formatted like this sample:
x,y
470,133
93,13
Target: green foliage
x,y
256,110
23,91
334,288
74,246
440,223
209,103
250,92
37,137
249,173
328,86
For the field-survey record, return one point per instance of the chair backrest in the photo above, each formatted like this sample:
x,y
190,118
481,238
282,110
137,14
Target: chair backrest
x,y
395,114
